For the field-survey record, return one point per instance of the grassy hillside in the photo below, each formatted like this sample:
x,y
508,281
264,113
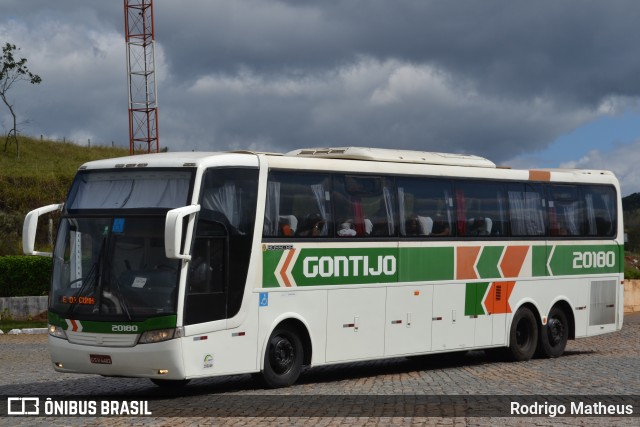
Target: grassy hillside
x,y
40,177
631,202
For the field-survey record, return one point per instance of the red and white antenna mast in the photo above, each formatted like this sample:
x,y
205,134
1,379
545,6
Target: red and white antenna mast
x,y
143,109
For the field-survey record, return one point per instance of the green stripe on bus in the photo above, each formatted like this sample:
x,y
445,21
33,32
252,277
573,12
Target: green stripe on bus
x,y
488,263
105,327
473,297
566,260
349,266
426,264
346,266
270,261
539,260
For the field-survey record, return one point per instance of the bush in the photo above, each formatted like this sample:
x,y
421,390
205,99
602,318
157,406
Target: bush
x,y
631,273
24,276
10,225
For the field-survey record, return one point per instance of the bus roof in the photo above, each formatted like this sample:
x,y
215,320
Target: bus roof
x,y
345,153
397,156
312,158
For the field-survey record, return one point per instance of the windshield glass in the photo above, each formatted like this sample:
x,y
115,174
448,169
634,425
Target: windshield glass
x,y
113,268
129,189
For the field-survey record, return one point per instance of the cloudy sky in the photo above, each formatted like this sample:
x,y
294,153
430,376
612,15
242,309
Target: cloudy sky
x,y
527,84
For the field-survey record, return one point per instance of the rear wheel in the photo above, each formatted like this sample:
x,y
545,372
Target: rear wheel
x,y
523,336
283,358
554,335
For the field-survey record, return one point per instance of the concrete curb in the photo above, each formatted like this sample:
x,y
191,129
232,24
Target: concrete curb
x,y
26,331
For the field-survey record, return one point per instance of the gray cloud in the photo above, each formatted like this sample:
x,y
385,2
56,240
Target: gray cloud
x,y
621,159
574,50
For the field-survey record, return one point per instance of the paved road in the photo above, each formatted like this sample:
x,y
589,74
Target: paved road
x,y
389,392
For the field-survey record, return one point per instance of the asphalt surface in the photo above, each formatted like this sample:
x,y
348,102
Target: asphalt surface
x,y
424,391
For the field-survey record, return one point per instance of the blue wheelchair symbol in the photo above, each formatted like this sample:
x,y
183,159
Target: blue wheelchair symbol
x,y
264,299
118,225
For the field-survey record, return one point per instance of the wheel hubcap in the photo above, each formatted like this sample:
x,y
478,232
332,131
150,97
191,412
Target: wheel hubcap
x,y
555,331
282,355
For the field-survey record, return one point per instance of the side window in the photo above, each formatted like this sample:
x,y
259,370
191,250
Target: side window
x,y
426,207
230,195
364,206
600,210
566,211
526,209
297,205
480,209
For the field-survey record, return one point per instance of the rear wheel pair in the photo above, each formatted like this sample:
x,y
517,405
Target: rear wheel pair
x,y
526,339
554,335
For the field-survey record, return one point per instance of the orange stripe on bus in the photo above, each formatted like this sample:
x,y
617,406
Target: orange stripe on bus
x,y
539,175
513,260
466,260
285,266
497,300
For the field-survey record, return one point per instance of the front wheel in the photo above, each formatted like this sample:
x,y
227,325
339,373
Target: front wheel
x,y
283,359
523,336
554,335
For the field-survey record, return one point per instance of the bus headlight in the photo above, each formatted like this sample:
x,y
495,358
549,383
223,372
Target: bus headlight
x,y
57,331
160,335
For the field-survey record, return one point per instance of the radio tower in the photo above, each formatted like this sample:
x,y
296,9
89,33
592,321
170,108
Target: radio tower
x,y
143,109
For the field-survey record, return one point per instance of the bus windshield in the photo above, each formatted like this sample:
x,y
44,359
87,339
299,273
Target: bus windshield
x,y
113,268
129,189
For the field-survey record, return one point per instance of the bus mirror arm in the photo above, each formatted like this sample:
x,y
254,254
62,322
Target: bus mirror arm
x,y
30,227
173,230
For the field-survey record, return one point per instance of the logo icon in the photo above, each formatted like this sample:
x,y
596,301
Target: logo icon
x,y
208,361
23,406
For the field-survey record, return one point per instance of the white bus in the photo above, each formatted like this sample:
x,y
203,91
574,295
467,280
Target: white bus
x,y
178,266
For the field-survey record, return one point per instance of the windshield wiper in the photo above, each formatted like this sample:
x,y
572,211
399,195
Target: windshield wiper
x,y
101,293
120,298
94,272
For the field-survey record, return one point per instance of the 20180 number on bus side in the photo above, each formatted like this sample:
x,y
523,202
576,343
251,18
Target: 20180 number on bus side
x,y
189,265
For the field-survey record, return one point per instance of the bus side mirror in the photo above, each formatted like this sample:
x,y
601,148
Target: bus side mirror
x,y
173,230
30,227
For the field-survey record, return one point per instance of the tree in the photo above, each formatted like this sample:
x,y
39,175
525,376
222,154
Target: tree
x,y
12,72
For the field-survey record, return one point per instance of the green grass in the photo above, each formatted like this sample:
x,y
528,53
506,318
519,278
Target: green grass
x,y
41,176
631,265
44,158
43,172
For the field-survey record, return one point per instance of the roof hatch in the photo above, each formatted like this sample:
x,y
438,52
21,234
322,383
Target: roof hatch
x,y
399,156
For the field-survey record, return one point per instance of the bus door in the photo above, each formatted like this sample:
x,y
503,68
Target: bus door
x,y
206,296
210,297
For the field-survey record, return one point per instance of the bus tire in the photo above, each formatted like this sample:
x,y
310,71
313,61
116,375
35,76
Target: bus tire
x,y
554,335
169,384
283,358
523,335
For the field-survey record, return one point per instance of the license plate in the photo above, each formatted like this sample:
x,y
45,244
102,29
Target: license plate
x,y
101,359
